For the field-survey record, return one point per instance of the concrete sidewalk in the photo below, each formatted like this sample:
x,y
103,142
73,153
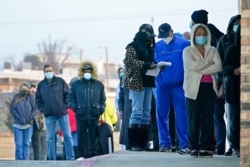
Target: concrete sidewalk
x,y
133,159
158,159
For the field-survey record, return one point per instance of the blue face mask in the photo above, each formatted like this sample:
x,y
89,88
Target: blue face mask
x,y
48,75
87,76
201,40
121,74
235,27
190,24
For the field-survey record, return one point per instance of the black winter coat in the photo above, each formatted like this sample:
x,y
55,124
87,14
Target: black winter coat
x,y
87,98
51,97
231,81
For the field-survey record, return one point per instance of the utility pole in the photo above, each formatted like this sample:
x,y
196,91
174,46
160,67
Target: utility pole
x,y
81,53
107,68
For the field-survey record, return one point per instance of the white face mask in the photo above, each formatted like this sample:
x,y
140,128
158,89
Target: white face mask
x,y
168,40
87,76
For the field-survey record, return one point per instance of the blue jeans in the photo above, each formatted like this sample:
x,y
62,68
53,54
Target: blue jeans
x,y
22,139
50,136
141,106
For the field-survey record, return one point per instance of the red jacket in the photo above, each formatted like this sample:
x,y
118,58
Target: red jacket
x,y
72,119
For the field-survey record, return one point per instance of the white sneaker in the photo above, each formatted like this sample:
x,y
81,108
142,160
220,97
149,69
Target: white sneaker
x,y
80,159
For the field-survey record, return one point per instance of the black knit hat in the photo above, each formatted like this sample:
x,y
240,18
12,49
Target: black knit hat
x,y
200,16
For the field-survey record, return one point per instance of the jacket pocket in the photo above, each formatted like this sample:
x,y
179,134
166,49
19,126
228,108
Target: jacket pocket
x,y
81,110
96,109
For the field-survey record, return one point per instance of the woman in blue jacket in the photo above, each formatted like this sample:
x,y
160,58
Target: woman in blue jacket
x,y
23,111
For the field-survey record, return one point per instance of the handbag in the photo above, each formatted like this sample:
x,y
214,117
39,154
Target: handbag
x,y
104,129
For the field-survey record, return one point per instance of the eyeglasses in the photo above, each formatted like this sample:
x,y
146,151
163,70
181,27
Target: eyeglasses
x,y
48,71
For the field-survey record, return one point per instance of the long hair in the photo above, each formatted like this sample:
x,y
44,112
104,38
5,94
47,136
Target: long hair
x,y
18,97
142,47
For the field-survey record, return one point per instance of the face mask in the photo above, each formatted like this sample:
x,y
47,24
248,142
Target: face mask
x,y
190,24
149,42
168,40
87,76
235,27
48,75
200,40
121,74
24,92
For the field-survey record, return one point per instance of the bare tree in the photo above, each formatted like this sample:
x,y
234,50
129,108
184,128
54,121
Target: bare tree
x,y
54,54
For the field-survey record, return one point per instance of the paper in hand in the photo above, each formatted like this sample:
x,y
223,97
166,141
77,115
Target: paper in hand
x,y
154,72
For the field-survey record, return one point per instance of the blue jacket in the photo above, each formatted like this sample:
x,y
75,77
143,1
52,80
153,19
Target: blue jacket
x,y
51,97
23,109
172,52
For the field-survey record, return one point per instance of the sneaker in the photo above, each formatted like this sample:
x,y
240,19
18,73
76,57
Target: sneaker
x,y
184,151
173,149
205,153
194,153
80,159
165,149
236,153
229,152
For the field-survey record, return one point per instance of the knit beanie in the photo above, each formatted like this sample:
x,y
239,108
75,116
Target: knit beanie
x,y
200,16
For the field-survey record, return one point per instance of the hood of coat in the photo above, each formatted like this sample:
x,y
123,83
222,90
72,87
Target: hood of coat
x,y
90,63
231,22
193,31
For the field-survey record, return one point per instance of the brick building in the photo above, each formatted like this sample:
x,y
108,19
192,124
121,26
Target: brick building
x,y
245,83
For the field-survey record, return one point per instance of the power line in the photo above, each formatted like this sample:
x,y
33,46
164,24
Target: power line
x,y
108,18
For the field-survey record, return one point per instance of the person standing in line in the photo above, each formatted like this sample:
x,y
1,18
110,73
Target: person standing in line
x,y
117,128
186,35
138,59
52,100
87,99
231,71
169,88
153,132
201,63
110,117
125,109
23,110
225,42
38,139
201,16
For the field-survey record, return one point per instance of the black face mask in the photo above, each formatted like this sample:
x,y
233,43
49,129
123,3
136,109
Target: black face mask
x,y
24,92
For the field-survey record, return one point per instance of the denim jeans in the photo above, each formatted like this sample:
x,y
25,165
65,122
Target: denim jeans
x,y
141,106
22,139
50,136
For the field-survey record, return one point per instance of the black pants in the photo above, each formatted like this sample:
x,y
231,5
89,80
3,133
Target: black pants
x,y
233,125
87,138
200,117
219,124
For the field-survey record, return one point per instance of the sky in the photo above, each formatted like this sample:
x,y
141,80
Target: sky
x,y
93,25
